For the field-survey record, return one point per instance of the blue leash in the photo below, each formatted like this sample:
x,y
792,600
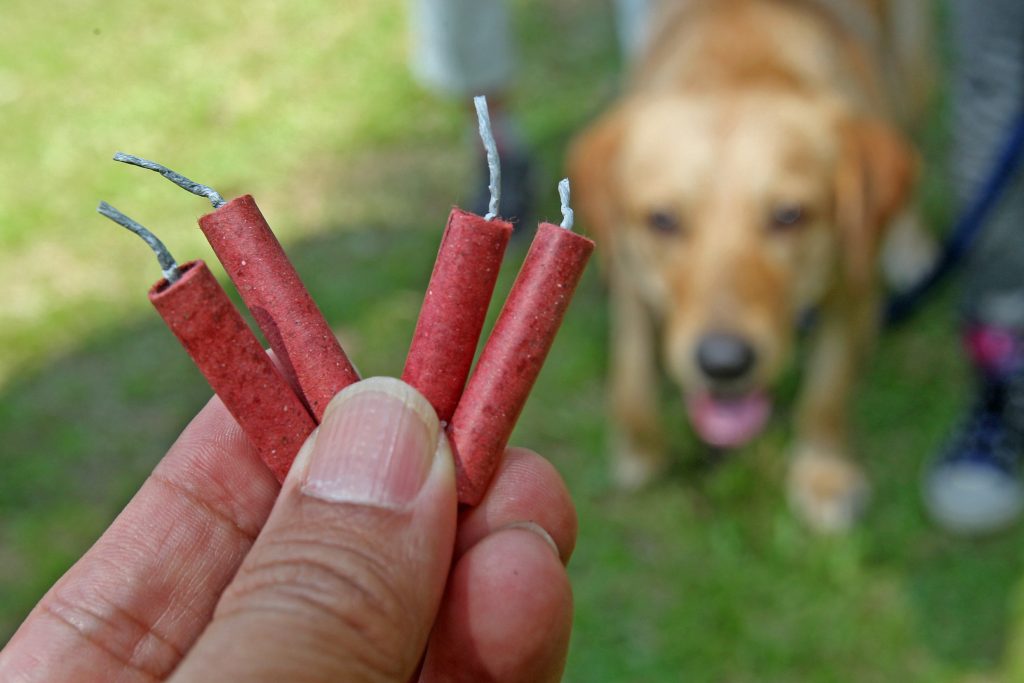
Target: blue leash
x,y
966,230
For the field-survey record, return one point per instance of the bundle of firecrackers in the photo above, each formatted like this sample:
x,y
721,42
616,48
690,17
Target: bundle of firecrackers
x,y
278,404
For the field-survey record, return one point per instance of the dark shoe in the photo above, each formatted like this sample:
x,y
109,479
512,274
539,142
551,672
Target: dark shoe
x,y
516,188
974,486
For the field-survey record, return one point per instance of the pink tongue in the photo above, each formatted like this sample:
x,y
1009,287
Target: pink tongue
x,y
728,422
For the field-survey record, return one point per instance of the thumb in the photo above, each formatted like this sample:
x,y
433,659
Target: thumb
x,y
344,581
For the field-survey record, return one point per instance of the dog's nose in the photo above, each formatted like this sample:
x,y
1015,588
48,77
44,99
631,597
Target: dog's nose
x,y
723,356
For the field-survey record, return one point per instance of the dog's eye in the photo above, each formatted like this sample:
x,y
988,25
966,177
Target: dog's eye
x,y
787,216
663,222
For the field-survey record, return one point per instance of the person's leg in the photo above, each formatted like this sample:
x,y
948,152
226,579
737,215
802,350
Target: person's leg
x,y
632,21
464,48
975,485
988,93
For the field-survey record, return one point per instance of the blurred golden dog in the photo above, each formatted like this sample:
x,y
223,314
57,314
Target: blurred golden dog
x,y
746,178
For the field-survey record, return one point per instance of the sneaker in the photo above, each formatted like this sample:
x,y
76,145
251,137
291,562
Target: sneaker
x,y
974,487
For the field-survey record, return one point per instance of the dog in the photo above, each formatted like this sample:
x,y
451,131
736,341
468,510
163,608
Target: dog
x,y
746,178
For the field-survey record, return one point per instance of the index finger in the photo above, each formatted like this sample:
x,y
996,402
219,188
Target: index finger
x,y
138,599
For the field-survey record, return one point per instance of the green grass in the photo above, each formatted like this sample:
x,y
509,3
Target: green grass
x,y
308,106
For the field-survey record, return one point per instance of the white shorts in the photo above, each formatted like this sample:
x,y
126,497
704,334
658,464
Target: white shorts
x,y
466,47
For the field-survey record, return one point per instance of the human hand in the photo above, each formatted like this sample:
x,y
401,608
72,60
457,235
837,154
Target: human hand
x,y
355,570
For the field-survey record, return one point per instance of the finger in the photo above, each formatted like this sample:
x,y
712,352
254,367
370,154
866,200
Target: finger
x,y
507,612
527,488
506,615
345,579
142,594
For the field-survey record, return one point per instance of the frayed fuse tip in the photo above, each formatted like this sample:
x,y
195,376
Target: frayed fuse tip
x,y
568,216
493,161
181,181
167,263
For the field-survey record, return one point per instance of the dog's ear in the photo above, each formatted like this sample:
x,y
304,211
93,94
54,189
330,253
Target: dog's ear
x,y
591,161
874,180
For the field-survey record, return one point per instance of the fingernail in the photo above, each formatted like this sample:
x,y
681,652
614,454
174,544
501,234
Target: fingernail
x,y
375,445
537,529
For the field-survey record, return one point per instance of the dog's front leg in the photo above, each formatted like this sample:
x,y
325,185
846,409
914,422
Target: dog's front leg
x,y
637,440
826,488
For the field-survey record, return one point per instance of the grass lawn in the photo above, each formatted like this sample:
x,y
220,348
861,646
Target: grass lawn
x,y
309,107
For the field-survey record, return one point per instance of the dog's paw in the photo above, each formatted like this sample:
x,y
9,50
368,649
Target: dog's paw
x,y
827,491
633,466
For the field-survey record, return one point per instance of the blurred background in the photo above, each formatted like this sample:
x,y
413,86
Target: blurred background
x,y
310,107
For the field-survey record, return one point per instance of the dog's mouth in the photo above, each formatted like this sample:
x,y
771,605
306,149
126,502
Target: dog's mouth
x,y
728,421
